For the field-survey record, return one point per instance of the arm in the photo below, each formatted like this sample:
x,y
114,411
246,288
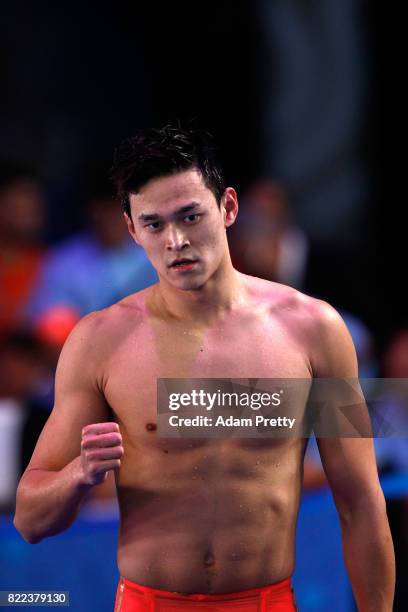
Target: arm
x,y
77,447
350,467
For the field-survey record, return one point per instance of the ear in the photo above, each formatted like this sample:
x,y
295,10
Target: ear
x,y
229,206
131,227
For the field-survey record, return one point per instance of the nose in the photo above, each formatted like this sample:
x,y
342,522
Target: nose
x,y
176,240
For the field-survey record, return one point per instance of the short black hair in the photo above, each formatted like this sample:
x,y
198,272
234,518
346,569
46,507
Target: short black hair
x,y
156,152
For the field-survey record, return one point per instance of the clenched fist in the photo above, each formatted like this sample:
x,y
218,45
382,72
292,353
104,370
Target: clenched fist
x,y
101,451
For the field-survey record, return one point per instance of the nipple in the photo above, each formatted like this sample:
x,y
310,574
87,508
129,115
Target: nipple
x,y
151,426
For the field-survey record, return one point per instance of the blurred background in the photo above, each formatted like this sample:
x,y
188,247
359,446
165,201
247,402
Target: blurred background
x,y
306,101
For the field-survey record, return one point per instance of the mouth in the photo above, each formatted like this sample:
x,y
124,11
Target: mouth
x,y
182,265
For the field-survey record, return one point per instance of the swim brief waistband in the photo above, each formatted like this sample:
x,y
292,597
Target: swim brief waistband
x,y
132,597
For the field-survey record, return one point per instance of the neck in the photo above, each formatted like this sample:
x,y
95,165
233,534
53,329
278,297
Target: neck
x,y
220,294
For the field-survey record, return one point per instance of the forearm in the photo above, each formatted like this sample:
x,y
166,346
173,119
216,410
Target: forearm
x,y
48,502
369,556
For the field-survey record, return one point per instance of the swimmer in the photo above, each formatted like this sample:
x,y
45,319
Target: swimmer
x,y
201,520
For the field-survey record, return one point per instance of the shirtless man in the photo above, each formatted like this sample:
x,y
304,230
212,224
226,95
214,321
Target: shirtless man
x,y
200,520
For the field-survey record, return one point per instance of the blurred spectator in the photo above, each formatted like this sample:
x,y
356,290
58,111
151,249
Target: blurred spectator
x,y
396,356
363,343
20,367
21,223
94,268
265,242
392,452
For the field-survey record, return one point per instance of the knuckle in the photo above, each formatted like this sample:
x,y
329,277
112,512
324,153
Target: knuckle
x,y
88,456
112,439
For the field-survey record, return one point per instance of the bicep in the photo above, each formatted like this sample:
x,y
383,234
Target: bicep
x,y
78,402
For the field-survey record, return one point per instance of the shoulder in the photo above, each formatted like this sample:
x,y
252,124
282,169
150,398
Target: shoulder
x,y
286,301
318,327
327,338
97,335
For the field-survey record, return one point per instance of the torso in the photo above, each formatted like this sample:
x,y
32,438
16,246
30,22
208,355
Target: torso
x,y
207,515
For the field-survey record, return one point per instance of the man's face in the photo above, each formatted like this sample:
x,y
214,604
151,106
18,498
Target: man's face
x,y
178,222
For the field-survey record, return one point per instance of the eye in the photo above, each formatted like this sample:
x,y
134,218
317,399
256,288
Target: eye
x,y
190,219
153,227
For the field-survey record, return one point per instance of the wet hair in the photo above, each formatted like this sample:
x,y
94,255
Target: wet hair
x,y
153,153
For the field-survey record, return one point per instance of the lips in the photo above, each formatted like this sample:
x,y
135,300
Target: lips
x,y
178,263
183,265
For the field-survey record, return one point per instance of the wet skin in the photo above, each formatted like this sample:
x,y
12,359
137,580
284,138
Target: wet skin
x,y
209,516
215,515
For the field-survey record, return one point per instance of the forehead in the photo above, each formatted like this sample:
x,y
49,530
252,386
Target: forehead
x,y
171,191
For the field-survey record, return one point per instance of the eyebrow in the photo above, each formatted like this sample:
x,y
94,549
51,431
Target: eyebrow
x,y
183,210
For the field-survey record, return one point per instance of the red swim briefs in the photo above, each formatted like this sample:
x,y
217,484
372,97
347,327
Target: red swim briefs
x,y
131,597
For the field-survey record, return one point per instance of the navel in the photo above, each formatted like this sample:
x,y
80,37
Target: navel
x,y
209,559
151,426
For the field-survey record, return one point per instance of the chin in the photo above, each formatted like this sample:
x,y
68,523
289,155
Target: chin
x,y
187,284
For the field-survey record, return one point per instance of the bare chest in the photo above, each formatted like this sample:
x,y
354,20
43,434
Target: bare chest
x,y
256,350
